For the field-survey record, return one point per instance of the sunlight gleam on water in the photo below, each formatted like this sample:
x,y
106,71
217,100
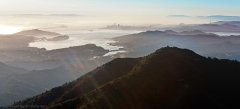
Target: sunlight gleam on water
x,y
77,38
99,37
8,29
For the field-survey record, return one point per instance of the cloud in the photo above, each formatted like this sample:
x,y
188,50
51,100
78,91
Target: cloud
x,y
221,17
178,16
69,15
26,15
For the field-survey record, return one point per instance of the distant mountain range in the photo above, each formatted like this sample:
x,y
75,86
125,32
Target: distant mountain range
x,y
169,78
48,69
221,26
143,43
22,39
7,72
37,32
44,69
54,68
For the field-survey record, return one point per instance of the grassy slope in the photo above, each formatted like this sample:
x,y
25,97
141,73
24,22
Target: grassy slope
x,y
169,78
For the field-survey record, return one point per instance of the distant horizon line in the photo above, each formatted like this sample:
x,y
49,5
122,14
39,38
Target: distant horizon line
x,y
216,16
70,15
213,16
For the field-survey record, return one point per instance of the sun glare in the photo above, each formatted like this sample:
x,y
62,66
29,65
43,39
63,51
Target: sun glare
x,y
7,29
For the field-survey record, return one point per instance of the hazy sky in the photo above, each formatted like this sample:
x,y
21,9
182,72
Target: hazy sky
x,y
38,13
122,7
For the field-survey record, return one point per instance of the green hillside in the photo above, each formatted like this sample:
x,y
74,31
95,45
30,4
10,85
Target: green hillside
x,y
170,78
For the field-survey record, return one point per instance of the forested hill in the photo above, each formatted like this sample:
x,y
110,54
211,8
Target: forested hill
x,y
170,78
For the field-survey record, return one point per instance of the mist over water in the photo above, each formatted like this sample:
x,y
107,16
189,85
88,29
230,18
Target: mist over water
x,y
82,37
225,34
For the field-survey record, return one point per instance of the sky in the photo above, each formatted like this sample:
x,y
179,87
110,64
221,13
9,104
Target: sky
x,y
121,7
128,12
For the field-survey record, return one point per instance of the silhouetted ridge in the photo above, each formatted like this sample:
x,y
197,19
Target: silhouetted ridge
x,y
37,32
170,31
174,50
170,78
